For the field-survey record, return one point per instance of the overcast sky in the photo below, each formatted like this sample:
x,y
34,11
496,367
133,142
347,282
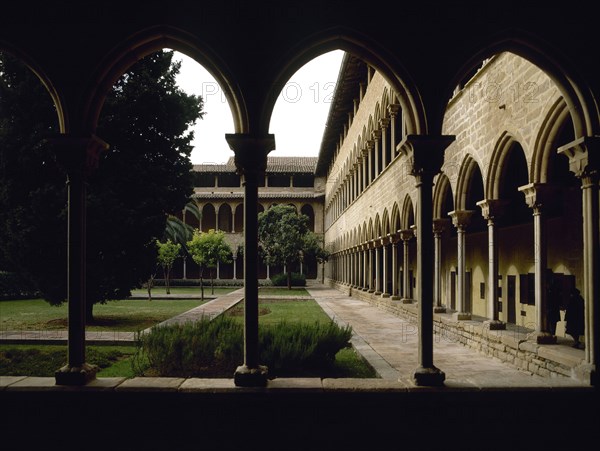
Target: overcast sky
x,y
298,119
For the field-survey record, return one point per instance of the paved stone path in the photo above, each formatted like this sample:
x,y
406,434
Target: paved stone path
x,y
389,344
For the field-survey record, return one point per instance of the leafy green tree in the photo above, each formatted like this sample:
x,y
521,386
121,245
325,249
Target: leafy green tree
x,y
207,249
145,176
168,252
314,246
281,234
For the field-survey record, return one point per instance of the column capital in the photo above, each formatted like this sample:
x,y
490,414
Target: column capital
x,y
425,152
407,234
369,145
250,151
584,155
538,194
461,218
376,134
393,109
78,155
440,225
492,208
383,123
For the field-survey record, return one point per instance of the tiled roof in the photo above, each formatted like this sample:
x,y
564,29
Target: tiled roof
x,y
240,195
281,165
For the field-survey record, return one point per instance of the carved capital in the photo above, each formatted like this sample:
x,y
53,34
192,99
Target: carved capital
x,y
393,109
383,123
440,225
250,152
584,156
376,135
425,153
407,234
538,194
492,208
461,218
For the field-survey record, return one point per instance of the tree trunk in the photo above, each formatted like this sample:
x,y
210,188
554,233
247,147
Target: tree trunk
x,y
89,312
212,285
201,285
289,280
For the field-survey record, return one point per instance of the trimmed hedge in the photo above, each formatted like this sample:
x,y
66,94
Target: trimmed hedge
x,y
280,280
215,348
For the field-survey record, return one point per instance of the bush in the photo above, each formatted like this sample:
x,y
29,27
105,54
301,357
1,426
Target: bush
x,y
280,280
215,348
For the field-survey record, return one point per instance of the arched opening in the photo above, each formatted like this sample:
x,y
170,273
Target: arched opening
x,y
225,223
209,218
239,219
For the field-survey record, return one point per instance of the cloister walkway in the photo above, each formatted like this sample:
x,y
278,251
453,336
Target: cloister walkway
x,y
389,343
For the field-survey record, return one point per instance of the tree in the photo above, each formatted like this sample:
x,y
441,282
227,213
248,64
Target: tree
x,y
207,249
168,252
313,245
145,176
281,234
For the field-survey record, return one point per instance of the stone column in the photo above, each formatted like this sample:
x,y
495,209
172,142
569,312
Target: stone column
x,y
371,284
537,196
461,220
79,157
369,147
365,266
584,162
377,271
383,123
365,165
376,136
492,209
385,275
440,225
393,109
395,293
251,161
234,265
426,155
233,219
406,235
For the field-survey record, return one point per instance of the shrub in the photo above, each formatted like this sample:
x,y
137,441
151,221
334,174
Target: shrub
x,y
280,280
215,348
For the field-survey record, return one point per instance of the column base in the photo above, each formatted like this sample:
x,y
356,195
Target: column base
x,y
377,293
395,298
542,338
385,295
462,316
495,324
429,377
250,377
407,301
439,309
76,375
370,291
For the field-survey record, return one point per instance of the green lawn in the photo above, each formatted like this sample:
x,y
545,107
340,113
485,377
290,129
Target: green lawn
x,y
159,291
282,291
271,312
125,315
44,360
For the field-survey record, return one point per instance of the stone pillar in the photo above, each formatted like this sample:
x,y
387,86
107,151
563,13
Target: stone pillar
x,y
233,220
393,109
426,155
370,146
461,220
79,157
406,235
440,225
365,167
251,161
385,275
395,292
376,135
365,251
377,271
492,209
537,196
584,162
371,284
383,123
235,265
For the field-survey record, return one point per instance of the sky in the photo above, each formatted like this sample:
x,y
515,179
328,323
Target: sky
x,y
298,119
